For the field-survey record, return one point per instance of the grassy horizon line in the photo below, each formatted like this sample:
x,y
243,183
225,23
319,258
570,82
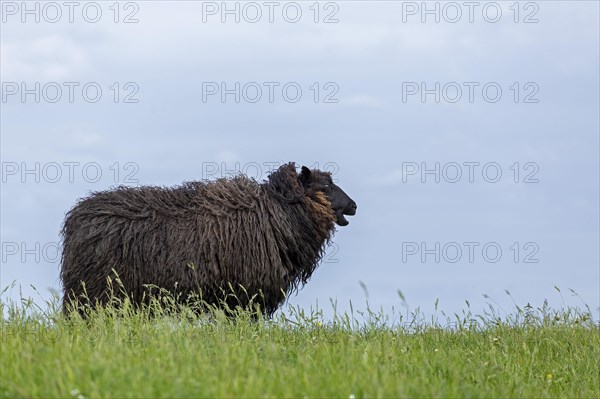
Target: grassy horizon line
x,y
169,350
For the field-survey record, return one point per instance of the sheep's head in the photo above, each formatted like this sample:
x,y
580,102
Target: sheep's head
x,y
318,184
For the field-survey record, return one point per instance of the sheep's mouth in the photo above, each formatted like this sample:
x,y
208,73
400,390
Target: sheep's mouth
x,y
340,219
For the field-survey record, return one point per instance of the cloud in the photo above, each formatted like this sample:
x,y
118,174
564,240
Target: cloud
x,y
52,57
361,101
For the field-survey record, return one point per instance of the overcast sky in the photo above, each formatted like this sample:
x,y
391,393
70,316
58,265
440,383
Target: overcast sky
x,y
470,143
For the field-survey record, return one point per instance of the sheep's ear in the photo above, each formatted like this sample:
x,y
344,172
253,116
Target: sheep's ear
x,y
305,175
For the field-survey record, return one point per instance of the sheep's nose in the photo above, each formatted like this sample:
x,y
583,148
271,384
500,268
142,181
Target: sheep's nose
x,y
351,208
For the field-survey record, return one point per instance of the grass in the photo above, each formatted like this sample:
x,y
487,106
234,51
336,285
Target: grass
x,y
169,351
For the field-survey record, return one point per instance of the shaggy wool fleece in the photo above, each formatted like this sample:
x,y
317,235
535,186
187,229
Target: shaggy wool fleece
x,y
204,238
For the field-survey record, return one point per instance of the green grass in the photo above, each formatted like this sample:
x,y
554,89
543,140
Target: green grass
x,y
122,353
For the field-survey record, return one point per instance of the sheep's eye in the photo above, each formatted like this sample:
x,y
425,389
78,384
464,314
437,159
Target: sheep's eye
x,y
326,186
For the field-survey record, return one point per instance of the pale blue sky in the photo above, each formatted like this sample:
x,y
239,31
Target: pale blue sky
x,y
170,135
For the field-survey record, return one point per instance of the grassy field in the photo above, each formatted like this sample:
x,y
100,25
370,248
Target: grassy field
x,y
122,353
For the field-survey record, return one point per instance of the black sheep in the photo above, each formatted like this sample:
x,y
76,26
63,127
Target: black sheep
x,y
204,238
